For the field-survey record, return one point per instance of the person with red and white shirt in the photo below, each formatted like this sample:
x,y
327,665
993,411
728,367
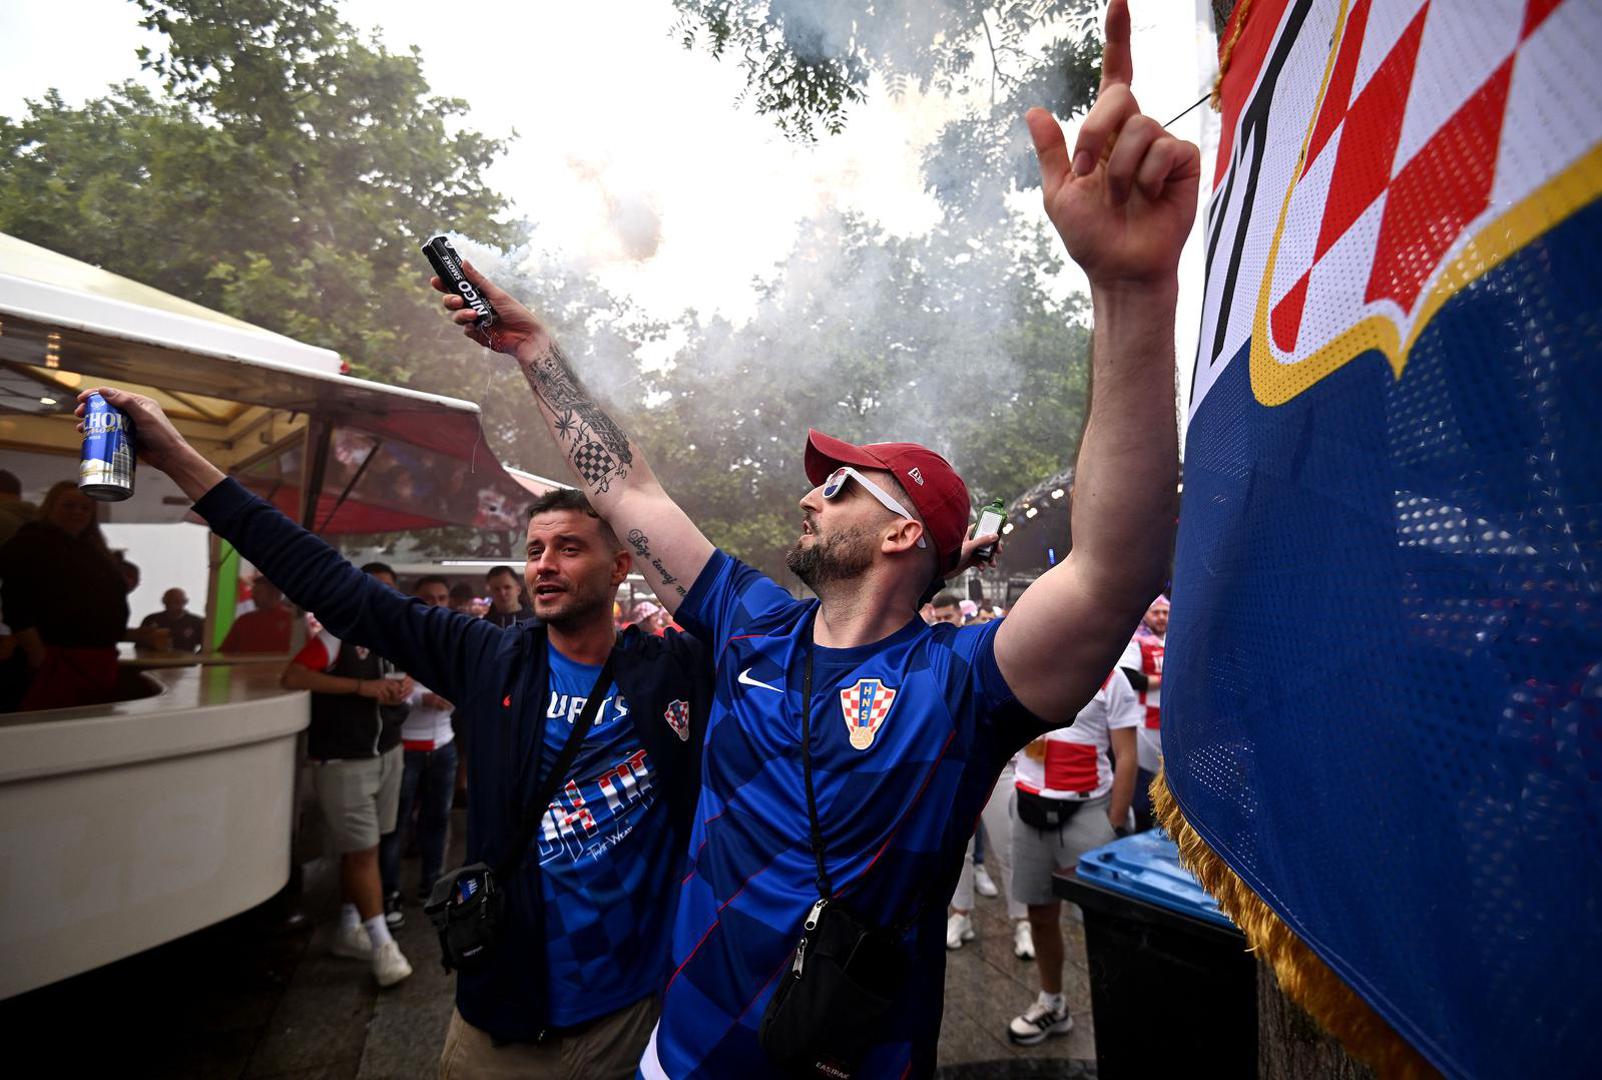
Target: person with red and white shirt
x,y
1069,800
1142,662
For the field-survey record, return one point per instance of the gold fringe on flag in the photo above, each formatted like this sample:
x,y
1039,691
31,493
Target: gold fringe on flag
x,y
1229,38
1304,978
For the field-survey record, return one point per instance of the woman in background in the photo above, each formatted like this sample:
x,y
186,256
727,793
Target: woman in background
x,y
65,600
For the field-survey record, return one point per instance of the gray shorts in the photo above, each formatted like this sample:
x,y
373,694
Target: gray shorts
x,y
1037,854
359,797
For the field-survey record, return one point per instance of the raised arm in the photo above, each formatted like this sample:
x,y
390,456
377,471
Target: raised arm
x,y
434,644
609,467
1123,204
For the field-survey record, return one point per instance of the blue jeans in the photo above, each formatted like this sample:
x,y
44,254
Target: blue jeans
x,y
427,783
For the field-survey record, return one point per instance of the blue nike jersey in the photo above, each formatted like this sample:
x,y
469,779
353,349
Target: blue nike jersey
x,y
609,866
909,735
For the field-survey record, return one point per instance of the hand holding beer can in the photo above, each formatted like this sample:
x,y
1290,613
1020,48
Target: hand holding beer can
x,y
106,467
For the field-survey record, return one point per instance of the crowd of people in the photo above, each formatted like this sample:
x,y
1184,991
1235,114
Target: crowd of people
x,y
728,848
1068,792
388,760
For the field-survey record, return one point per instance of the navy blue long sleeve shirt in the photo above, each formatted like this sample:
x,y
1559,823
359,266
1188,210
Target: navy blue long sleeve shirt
x,y
499,680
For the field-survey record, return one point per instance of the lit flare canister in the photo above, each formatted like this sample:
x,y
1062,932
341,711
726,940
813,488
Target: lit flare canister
x,y
106,469
448,265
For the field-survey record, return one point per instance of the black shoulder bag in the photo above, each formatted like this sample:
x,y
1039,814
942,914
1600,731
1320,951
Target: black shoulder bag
x,y
468,905
846,973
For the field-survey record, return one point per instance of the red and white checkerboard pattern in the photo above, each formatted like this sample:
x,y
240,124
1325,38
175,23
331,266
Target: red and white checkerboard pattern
x,y
866,704
1438,117
677,715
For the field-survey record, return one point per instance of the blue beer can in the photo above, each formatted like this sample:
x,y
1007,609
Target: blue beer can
x,y
106,469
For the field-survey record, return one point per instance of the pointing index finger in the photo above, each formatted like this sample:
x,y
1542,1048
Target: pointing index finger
x,y
1117,63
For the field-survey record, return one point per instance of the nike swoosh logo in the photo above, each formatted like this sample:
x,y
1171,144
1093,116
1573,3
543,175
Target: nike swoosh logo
x,y
746,680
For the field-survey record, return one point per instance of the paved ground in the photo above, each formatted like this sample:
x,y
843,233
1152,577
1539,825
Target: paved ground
x,y
239,1000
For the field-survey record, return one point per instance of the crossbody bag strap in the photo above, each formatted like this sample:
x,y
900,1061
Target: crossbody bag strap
x,y
564,761
825,890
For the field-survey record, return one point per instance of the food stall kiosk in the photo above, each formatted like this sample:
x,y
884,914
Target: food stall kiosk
x,y
128,824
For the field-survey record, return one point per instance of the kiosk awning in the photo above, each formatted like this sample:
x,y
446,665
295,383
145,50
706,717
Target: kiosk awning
x,y
271,410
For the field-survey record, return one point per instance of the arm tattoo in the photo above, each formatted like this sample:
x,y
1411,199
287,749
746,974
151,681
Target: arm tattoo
x,y
642,547
596,446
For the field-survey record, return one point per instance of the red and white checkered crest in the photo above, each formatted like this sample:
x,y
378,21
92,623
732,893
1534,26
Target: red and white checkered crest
x,y
865,706
678,718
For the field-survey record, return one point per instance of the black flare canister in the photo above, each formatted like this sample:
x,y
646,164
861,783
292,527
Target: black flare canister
x,y
448,265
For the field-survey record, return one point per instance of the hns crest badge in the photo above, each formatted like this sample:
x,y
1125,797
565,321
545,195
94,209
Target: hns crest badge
x,y
678,718
865,706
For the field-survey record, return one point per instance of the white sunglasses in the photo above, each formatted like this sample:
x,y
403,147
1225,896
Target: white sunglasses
x,y
836,482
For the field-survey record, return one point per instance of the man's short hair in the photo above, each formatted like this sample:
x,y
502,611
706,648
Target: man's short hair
x,y
378,568
946,599
9,484
562,499
431,579
497,571
571,499
462,592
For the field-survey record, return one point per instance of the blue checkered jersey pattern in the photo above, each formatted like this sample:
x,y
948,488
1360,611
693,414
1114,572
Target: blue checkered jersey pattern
x,y
909,735
607,857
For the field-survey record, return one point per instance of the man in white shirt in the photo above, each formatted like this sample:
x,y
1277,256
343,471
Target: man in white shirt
x,y
1069,801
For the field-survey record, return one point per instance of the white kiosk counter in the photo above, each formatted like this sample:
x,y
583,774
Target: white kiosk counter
x,y
124,826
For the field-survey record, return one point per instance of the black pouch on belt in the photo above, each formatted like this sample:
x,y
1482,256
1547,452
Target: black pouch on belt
x,y
843,980
1047,815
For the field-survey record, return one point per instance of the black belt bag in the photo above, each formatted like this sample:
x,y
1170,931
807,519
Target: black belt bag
x,y
846,974
468,905
1047,815
844,979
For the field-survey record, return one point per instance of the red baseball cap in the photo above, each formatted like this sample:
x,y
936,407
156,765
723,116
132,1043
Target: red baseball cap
x,y
937,492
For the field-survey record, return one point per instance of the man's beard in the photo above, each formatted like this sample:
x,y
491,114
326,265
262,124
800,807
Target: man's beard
x,y
837,557
574,608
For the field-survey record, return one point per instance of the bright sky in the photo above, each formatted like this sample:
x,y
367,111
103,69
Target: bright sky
x,y
623,134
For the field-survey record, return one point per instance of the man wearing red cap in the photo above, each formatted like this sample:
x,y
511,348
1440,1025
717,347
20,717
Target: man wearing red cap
x,y
850,746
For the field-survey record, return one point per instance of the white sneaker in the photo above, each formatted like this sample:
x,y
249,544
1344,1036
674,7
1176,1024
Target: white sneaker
x,y
983,883
352,941
1037,1022
389,964
1023,940
959,928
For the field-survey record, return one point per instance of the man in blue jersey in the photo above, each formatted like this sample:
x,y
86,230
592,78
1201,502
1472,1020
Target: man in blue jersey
x,y
572,987
909,724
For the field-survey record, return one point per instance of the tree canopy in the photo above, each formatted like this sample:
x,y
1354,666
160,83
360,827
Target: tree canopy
x,y
285,178
948,339
807,63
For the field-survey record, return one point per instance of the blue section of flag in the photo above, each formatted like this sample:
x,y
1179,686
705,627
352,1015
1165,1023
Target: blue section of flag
x,y
1382,701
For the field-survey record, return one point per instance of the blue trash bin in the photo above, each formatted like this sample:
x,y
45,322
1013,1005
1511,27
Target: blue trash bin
x,y
1173,990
